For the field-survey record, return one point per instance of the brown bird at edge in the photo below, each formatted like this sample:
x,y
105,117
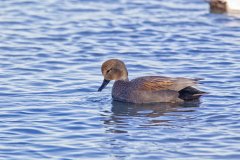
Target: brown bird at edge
x,y
224,6
147,89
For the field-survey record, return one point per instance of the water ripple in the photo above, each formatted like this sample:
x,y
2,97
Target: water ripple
x,y
51,52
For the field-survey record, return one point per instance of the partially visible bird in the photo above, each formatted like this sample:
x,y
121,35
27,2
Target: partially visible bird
x,y
222,6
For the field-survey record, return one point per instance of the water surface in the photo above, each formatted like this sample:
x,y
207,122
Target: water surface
x,y
50,57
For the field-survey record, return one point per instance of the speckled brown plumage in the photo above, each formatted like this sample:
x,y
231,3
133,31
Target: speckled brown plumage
x,y
218,6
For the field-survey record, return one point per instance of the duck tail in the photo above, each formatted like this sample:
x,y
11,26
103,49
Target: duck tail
x,y
190,93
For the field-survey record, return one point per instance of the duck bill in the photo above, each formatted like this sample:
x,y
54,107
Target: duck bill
x,y
104,84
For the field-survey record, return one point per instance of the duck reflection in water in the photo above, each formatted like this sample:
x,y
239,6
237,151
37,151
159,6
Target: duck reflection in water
x,y
128,115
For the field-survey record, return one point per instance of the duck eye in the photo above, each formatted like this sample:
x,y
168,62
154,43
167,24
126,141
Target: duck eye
x,y
109,70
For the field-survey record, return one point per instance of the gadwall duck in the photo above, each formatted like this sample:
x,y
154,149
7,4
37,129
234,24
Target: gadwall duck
x,y
222,6
147,89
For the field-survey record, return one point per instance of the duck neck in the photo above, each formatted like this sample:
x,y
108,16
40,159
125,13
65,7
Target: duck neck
x,y
126,80
124,76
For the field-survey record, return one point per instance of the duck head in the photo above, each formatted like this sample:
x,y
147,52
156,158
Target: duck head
x,y
113,69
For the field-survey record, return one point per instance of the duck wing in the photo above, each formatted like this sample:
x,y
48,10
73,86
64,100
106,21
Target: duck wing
x,y
158,83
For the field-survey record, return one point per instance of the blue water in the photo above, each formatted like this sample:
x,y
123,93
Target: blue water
x,y
50,57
